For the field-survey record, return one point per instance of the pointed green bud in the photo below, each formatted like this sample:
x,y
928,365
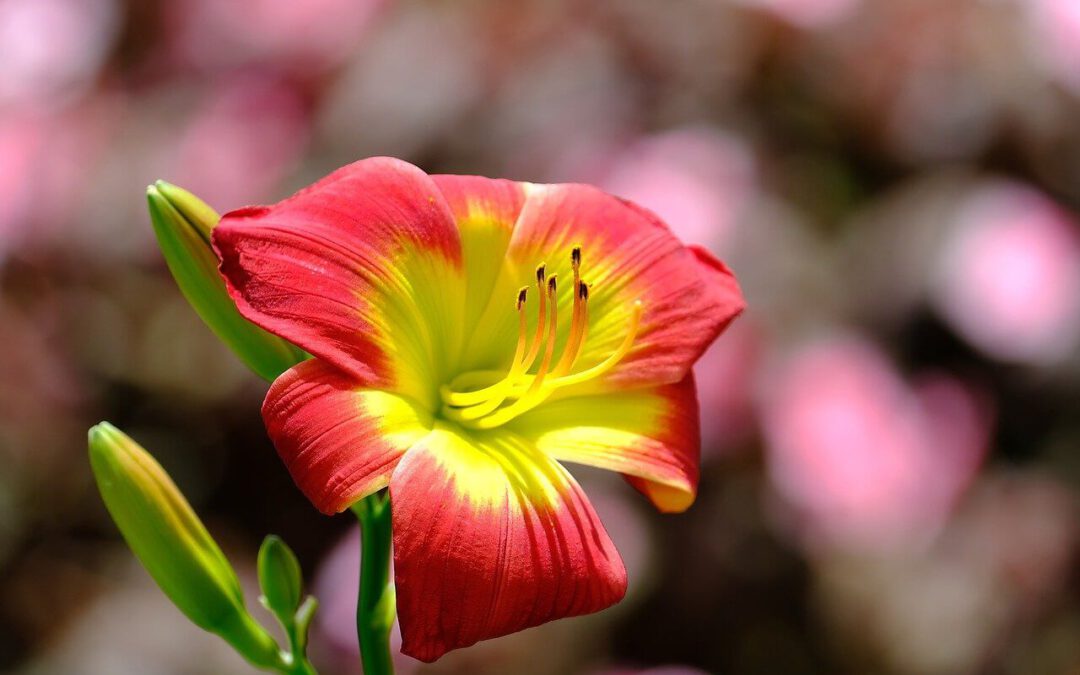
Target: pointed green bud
x,y
172,543
303,618
279,578
182,223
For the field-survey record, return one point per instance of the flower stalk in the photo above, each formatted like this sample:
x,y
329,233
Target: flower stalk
x,y
375,608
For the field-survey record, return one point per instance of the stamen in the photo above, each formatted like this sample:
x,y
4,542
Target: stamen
x,y
577,330
519,391
535,394
534,349
611,361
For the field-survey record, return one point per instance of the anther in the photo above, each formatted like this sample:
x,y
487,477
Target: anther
x,y
552,283
540,273
575,257
583,290
522,294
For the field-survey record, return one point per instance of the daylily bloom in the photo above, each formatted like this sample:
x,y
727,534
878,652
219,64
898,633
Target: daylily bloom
x,y
470,335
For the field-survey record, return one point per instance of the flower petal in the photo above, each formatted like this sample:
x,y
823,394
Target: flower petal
x,y
490,537
362,269
339,440
650,435
688,297
485,211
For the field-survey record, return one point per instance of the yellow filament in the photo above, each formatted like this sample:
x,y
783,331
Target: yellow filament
x,y
487,407
537,337
612,360
500,390
535,393
577,330
607,364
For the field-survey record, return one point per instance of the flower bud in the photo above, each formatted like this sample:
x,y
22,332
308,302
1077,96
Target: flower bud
x,y
172,544
182,223
279,578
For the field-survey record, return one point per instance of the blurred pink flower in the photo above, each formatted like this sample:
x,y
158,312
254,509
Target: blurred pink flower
x,y
696,179
52,49
806,13
864,460
1055,37
1009,280
298,36
249,132
44,162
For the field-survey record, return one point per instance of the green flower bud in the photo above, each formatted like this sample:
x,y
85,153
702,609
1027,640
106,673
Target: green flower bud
x,y
172,543
279,578
182,223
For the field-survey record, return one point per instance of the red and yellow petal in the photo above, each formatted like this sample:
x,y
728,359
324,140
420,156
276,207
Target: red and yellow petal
x,y
339,440
485,211
491,537
362,269
628,255
652,436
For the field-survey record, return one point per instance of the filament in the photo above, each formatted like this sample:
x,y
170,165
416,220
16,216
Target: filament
x,y
519,391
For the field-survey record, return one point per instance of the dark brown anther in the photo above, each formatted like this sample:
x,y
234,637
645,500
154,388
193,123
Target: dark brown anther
x,y
541,272
583,291
551,283
521,296
575,257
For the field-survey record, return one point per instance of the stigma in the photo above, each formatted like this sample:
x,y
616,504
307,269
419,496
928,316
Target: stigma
x,y
535,373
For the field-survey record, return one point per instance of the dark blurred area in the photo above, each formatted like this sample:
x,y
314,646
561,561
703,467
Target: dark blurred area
x,y
892,458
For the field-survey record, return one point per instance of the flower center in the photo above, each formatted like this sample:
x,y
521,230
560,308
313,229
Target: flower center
x,y
523,387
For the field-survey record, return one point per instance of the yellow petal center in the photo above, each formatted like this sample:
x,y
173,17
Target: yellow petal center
x,y
484,399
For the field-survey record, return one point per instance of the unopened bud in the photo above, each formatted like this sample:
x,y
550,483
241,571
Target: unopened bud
x,y
172,543
279,578
182,223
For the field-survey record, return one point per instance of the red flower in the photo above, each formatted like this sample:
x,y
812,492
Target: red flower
x,y
434,375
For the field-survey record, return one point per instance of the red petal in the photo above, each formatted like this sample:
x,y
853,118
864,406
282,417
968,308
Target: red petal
x,y
485,211
650,435
339,440
350,263
687,296
491,537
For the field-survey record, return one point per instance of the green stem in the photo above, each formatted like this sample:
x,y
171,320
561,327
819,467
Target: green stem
x,y
296,659
376,606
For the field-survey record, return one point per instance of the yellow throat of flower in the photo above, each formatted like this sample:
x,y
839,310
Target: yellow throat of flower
x,y
522,388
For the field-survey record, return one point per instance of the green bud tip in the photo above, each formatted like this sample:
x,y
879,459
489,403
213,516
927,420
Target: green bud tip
x,y
183,224
279,578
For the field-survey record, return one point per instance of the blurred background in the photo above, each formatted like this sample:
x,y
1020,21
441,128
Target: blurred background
x,y
891,466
